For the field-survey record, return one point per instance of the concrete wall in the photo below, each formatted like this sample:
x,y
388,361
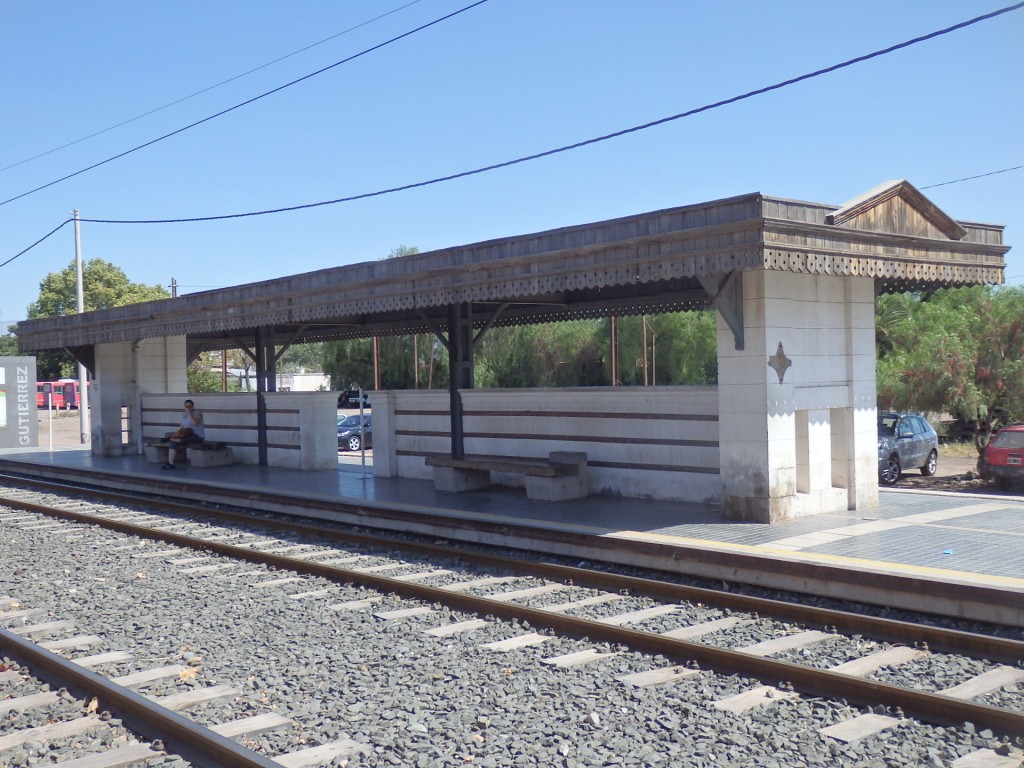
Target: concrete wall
x,y
789,432
301,426
126,371
113,389
650,442
133,378
804,443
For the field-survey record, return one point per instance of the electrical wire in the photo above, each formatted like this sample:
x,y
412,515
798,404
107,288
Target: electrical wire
x,y
246,102
971,178
170,221
209,87
53,231
566,148
584,143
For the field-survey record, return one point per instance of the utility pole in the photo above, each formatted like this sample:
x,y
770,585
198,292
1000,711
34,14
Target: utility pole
x,y
83,374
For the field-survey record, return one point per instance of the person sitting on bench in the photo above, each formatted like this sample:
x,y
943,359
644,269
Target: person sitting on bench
x,y
191,432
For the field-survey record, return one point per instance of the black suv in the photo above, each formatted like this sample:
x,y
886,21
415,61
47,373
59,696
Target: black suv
x,y
905,441
350,399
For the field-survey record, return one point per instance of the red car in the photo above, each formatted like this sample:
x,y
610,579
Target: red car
x,y
1004,456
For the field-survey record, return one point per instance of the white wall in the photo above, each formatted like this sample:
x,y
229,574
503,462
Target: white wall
x,y
114,387
650,442
301,426
124,372
807,444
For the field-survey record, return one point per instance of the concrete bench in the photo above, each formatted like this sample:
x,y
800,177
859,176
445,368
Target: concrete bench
x,y
562,475
156,452
205,454
210,454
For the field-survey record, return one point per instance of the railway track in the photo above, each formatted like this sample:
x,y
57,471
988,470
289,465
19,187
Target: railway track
x,y
661,633
146,728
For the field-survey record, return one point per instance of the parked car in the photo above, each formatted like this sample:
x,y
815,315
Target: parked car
x,y
905,441
350,399
1004,456
349,435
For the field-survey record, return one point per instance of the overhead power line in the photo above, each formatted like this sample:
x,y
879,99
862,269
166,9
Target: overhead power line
x,y
971,178
52,232
246,102
173,221
209,87
566,148
586,142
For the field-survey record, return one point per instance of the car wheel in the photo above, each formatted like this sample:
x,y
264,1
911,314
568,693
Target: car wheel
x,y
354,443
931,465
1003,483
890,473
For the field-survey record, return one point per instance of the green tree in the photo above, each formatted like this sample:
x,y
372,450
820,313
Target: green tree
x,y
302,358
104,285
206,374
960,351
9,345
202,377
550,355
403,250
688,348
681,348
349,363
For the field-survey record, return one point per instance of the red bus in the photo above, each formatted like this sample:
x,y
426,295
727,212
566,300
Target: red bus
x,y
57,394
49,395
69,390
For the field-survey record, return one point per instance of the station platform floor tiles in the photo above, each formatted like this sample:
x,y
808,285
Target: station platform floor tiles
x,y
967,538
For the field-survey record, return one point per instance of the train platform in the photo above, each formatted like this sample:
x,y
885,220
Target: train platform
x,y
934,539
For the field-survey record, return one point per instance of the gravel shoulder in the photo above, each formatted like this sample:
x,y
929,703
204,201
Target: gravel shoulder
x,y
66,427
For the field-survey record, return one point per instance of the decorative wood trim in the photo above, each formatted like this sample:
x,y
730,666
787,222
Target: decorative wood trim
x,y
890,190
650,262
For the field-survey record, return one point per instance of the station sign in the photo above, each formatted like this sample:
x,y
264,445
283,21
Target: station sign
x,y
19,427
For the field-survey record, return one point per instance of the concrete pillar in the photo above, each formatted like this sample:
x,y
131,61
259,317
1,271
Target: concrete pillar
x,y
385,449
124,372
797,404
114,388
862,415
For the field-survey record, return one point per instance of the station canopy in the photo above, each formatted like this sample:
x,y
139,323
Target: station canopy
x,y
669,260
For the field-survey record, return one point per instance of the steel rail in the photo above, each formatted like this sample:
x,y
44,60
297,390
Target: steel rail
x,y
955,599
930,707
180,735
939,639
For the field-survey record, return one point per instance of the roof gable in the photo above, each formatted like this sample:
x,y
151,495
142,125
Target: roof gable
x,y
897,208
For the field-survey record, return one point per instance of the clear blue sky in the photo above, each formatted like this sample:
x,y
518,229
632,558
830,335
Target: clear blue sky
x,y
506,79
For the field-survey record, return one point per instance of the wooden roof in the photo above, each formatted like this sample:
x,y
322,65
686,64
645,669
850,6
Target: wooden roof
x,y
643,264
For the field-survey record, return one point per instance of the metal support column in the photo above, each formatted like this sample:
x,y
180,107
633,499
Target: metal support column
x,y
460,368
266,381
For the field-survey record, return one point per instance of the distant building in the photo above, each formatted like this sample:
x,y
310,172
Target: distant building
x,y
286,382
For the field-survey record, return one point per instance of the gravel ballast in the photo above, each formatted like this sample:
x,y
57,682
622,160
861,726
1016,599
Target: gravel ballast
x,y
413,699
